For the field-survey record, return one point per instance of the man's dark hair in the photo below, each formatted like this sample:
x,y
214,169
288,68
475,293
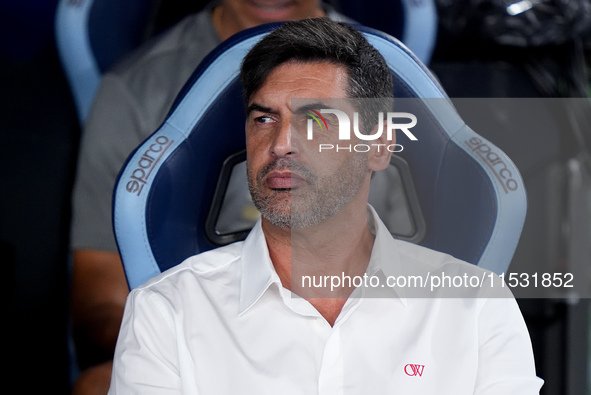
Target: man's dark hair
x,y
322,40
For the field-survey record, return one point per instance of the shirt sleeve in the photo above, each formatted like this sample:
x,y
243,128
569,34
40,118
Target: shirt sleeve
x,y
146,355
505,360
113,130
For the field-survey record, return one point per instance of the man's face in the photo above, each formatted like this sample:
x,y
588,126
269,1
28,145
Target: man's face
x,y
291,183
257,12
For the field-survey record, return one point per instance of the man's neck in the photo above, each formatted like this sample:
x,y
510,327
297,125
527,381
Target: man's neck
x,y
303,258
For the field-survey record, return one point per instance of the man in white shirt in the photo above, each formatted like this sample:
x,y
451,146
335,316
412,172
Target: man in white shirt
x,y
265,316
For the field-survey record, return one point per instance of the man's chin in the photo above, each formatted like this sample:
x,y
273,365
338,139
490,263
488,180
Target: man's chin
x,y
279,220
276,209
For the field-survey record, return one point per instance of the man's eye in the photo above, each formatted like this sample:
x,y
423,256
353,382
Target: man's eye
x,y
263,119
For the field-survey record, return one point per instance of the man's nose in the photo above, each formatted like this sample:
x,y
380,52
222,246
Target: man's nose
x,y
282,145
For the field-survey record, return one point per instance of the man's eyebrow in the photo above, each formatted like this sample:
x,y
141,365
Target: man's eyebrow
x,y
310,106
257,107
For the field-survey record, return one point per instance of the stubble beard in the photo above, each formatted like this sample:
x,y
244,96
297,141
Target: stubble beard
x,y
307,206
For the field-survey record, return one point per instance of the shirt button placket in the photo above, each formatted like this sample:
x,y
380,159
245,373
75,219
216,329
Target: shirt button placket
x,y
330,379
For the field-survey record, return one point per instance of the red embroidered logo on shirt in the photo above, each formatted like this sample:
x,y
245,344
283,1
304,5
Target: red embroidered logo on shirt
x,y
414,370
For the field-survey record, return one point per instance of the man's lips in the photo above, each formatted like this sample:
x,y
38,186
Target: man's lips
x,y
283,180
271,5
273,10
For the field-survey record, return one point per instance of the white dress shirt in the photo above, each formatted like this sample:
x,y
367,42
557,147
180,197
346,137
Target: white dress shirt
x,y
221,323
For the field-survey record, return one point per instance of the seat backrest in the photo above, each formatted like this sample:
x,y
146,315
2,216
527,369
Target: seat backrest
x,y
414,22
92,35
471,197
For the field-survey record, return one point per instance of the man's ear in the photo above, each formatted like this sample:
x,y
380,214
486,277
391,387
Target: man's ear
x,y
379,155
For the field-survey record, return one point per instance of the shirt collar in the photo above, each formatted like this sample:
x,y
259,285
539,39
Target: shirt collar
x,y
258,272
